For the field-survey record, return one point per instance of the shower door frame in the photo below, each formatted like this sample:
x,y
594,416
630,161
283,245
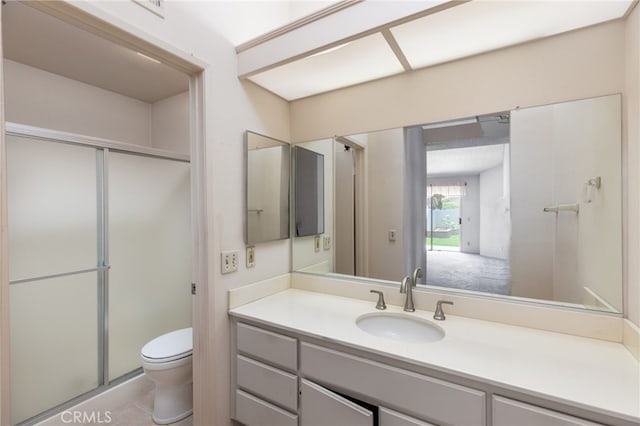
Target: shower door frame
x,y
102,149
105,26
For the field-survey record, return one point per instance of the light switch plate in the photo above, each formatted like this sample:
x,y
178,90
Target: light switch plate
x,y
316,243
392,234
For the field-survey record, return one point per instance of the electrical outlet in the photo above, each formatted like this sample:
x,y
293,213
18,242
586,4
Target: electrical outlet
x,y
316,243
392,234
326,242
251,257
229,261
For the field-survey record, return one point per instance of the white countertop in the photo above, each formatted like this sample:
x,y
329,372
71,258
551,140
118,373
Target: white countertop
x,y
588,373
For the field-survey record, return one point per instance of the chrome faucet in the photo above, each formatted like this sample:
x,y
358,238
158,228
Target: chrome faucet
x,y
407,287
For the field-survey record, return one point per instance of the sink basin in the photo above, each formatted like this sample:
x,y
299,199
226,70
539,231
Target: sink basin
x,y
401,327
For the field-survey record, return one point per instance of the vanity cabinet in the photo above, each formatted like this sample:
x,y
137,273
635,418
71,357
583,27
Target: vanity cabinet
x,y
508,412
281,381
265,377
291,380
415,394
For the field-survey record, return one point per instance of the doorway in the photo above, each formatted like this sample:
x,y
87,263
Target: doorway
x,y
345,209
191,70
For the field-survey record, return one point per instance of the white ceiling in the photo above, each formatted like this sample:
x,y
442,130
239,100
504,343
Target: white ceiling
x,y
364,59
41,41
464,161
36,39
463,30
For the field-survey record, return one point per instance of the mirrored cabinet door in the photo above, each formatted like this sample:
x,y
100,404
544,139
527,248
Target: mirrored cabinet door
x,y
267,189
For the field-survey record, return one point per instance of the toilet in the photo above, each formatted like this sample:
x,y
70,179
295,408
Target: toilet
x,y
167,361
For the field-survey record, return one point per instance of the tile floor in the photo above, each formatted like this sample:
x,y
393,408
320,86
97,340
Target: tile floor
x,y
137,412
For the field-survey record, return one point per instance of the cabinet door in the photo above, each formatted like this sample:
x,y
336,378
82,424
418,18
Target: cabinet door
x,y
507,412
393,418
321,407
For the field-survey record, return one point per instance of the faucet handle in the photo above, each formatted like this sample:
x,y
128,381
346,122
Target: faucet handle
x,y
380,305
439,315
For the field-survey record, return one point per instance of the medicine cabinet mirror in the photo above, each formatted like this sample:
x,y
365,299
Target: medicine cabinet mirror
x,y
524,204
309,192
267,188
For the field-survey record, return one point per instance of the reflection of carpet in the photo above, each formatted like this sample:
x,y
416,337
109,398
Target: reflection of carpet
x,y
468,271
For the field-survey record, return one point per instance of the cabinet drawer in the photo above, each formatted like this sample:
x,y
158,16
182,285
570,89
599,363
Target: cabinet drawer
x,y
393,418
252,411
406,391
507,412
267,382
271,347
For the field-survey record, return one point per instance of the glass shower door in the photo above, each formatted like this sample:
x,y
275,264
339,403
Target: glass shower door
x,y
53,246
149,253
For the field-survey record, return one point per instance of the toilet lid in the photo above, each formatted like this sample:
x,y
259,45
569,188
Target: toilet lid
x,y
171,345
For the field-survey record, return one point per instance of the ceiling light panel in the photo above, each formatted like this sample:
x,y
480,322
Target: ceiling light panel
x,y
483,25
361,60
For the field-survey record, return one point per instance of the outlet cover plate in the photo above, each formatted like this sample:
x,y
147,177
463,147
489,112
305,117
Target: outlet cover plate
x,y
229,262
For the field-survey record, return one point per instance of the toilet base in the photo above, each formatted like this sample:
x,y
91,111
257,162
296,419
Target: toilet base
x,y
172,404
172,420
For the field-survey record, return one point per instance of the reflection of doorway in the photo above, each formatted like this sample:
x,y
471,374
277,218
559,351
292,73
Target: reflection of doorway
x,y
345,208
444,223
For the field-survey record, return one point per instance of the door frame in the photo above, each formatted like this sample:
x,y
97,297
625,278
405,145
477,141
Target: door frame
x,y
90,18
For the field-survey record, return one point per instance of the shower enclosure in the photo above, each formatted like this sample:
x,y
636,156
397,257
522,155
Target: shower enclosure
x,y
99,254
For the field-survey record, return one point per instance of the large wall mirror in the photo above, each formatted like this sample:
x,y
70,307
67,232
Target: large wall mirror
x,y
267,188
524,203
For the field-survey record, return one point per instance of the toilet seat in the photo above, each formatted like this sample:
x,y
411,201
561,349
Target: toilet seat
x,y
169,347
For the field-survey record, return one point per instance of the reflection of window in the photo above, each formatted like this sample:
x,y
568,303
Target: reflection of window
x,y
458,189
443,215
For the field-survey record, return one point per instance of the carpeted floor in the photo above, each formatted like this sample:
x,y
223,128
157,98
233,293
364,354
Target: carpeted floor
x,y
468,271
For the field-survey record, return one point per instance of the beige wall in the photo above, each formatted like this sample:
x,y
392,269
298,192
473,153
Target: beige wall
x,y
631,133
42,99
170,123
385,158
495,218
568,251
